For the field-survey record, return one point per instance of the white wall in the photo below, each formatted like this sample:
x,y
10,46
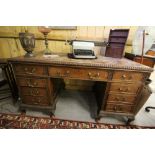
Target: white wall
x,y
149,39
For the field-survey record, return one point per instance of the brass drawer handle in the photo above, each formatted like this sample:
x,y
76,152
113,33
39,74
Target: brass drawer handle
x,y
120,89
120,108
35,83
28,83
90,75
123,76
66,74
34,92
58,73
29,72
31,85
39,100
37,92
36,102
25,69
117,98
115,108
127,89
97,75
120,99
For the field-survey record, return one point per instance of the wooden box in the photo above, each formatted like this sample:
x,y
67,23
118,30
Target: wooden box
x,y
116,43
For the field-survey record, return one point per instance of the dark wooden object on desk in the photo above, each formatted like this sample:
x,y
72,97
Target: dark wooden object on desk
x,y
116,43
118,84
148,60
151,51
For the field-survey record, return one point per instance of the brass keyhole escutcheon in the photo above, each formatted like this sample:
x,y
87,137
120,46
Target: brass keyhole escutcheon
x,y
117,98
120,89
25,69
115,108
123,76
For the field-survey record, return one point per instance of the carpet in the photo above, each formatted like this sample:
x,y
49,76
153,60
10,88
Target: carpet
x,y
12,121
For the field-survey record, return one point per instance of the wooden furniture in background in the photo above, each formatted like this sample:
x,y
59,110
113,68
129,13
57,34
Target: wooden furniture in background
x,y
147,59
151,51
118,84
116,43
10,80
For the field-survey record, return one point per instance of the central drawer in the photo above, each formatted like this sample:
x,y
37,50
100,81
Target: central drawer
x,y
78,73
30,82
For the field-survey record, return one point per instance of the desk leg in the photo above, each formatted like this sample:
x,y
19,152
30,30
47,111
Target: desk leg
x,y
10,80
13,82
23,112
97,119
52,115
129,120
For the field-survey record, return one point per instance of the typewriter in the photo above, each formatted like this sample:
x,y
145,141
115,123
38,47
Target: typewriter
x,y
83,50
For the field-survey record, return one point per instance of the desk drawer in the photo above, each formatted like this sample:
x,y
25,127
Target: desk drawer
x,y
119,108
124,88
30,82
33,91
33,100
127,76
29,69
78,73
121,98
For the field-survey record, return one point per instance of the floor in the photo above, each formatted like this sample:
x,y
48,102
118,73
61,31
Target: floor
x,y
77,105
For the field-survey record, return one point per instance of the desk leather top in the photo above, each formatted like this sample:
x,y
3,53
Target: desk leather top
x,y
100,62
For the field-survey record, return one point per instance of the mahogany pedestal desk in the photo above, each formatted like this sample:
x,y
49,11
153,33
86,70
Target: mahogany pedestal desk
x,y
119,84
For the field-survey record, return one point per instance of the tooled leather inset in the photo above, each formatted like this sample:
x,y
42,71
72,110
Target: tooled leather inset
x,y
100,62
